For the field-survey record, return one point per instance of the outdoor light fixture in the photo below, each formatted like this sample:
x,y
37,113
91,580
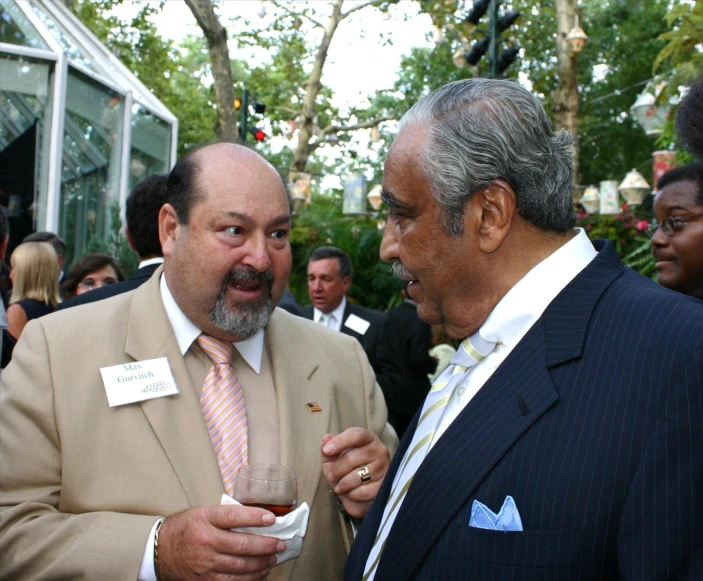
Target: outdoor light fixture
x,y
576,38
634,188
651,111
590,200
374,198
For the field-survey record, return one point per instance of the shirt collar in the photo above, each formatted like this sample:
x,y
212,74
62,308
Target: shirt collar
x,y
524,304
338,313
150,261
186,332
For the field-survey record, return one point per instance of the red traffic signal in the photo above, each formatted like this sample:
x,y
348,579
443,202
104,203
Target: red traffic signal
x,y
258,134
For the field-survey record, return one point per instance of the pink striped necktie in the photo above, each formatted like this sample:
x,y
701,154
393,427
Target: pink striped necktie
x,y
224,410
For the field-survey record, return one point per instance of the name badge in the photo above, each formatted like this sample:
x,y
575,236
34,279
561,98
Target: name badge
x,y
357,324
138,381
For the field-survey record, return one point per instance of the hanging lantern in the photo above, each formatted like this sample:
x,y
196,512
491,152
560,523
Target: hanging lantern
x,y
634,188
650,114
577,39
590,200
374,197
609,199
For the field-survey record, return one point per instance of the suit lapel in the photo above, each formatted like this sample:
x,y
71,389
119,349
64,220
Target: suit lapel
x,y
297,384
176,420
478,438
514,398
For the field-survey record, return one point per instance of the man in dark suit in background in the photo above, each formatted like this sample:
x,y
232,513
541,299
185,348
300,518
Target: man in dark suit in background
x,y
564,441
142,213
329,279
413,342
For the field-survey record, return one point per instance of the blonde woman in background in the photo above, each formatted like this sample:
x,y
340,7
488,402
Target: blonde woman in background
x,y
35,284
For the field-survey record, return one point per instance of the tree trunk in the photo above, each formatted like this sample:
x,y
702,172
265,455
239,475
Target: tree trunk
x,y
216,36
565,99
313,85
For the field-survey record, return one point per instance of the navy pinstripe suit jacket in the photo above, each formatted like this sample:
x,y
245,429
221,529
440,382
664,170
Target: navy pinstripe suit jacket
x,y
594,425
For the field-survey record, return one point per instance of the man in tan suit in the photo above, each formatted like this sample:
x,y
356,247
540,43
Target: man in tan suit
x,y
84,487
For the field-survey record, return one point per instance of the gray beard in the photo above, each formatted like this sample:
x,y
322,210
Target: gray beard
x,y
248,317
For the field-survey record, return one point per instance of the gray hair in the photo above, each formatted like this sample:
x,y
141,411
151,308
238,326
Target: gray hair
x,y
482,130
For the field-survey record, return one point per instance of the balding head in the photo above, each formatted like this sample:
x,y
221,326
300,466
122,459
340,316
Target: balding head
x,y
184,189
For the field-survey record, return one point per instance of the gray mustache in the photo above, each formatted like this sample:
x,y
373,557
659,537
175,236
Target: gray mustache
x,y
397,269
248,274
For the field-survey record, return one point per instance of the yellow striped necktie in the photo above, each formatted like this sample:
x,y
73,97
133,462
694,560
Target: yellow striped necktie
x,y
470,352
224,410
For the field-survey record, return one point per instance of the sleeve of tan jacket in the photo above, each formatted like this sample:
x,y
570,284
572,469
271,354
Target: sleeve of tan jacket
x,y
38,539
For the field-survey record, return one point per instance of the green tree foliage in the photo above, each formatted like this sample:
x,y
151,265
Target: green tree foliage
x,y
176,75
322,224
614,67
683,40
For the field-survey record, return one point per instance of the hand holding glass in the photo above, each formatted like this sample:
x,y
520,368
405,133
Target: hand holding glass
x,y
268,486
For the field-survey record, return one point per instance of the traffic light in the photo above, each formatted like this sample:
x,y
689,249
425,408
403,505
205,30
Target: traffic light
x,y
478,50
477,11
242,105
506,59
258,134
497,64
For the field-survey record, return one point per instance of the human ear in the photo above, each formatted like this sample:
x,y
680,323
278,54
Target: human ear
x,y
495,207
169,227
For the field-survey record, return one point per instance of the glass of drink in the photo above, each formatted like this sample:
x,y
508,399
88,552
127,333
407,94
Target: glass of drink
x,y
268,486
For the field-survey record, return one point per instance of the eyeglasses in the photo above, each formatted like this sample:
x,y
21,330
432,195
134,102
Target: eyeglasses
x,y
91,283
671,224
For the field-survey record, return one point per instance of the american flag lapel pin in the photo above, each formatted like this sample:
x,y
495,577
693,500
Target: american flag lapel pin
x,y
313,407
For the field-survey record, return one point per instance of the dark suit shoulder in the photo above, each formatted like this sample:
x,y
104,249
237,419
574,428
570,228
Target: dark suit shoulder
x,y
135,281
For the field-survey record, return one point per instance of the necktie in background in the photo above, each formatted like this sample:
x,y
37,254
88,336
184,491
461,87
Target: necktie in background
x,y
327,319
470,352
224,410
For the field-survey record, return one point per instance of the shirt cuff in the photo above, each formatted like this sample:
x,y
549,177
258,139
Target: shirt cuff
x,y
146,569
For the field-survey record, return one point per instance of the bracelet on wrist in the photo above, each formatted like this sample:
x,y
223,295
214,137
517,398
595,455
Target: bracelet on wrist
x,y
156,548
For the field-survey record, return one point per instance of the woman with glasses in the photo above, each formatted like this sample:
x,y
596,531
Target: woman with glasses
x,y
89,272
35,284
677,236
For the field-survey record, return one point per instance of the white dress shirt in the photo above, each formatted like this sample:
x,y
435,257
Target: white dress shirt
x,y
337,315
514,315
186,332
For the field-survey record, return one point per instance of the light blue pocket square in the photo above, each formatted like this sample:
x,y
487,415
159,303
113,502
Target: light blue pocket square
x,y
507,519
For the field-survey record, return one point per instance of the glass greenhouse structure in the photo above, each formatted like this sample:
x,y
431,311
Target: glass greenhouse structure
x,y
77,129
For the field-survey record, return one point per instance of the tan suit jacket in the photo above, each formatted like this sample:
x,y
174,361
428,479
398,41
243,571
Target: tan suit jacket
x,y
81,483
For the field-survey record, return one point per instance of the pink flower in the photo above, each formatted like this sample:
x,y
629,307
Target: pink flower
x,y
642,225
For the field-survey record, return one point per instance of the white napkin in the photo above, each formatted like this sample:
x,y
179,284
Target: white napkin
x,y
289,528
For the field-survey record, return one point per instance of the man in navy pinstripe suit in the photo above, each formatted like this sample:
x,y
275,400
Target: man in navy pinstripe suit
x,y
570,446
